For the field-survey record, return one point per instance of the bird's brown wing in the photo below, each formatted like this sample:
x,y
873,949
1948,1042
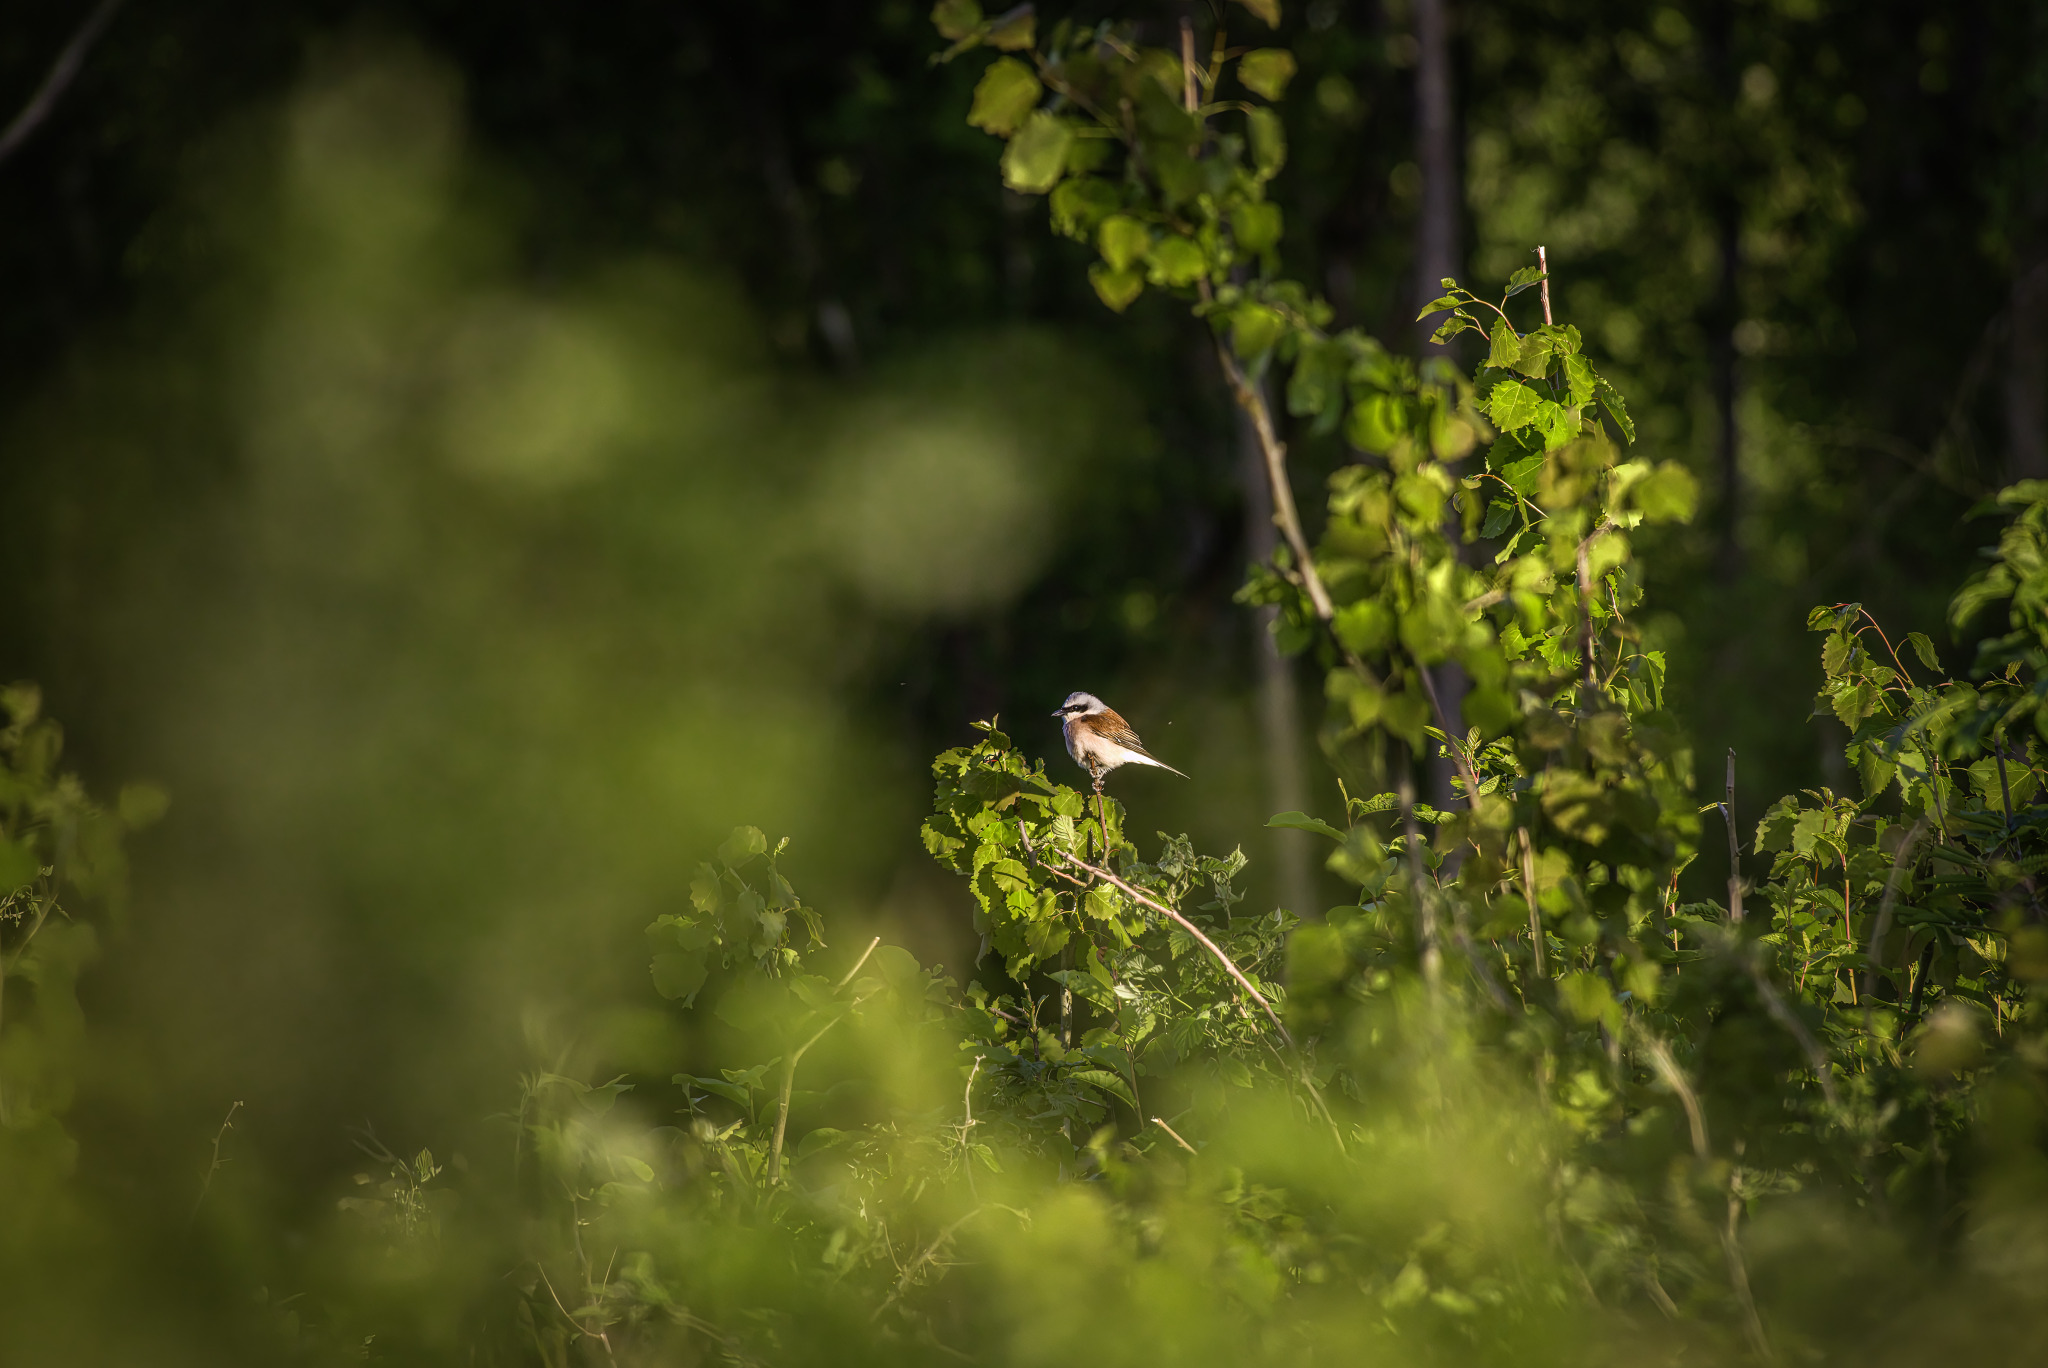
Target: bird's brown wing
x,y
1112,727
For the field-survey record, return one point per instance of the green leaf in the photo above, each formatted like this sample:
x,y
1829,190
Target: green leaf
x,y
1014,30
1526,278
1007,92
1108,1082
1124,241
1668,494
1512,405
956,19
1578,375
1037,153
1256,226
1079,203
1269,142
1301,821
1177,261
1365,626
1115,288
823,1138
1587,996
1376,422
679,974
1610,399
1254,329
1268,10
744,844
1924,648
1438,306
1267,71
731,1092
1458,322
1507,347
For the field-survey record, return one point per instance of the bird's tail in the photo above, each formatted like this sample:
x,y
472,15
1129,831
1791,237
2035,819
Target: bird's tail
x,y
1138,758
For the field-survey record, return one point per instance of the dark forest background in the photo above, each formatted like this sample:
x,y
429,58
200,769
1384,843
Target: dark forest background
x,y
314,313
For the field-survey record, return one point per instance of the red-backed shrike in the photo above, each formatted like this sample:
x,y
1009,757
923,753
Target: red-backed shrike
x,y
1100,740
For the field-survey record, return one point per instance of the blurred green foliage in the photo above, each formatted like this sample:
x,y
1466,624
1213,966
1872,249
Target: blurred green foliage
x,y
470,538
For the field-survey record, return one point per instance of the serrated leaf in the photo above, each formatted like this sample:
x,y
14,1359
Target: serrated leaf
x,y
1124,241
1524,279
1079,203
1500,516
1579,377
1177,261
744,844
1507,347
1037,153
1924,648
1266,71
1007,92
1512,405
1610,399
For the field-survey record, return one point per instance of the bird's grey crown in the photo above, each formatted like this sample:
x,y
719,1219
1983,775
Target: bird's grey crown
x,y
1079,704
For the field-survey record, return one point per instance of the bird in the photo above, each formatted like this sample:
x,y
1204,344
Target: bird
x,y
1100,740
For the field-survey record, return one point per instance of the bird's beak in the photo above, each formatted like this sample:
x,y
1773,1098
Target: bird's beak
x,y
1059,712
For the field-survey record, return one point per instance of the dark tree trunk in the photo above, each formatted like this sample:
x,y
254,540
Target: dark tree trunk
x,y
1436,256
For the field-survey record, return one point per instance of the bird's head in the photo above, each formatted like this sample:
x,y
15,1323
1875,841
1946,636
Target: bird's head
x,y
1081,705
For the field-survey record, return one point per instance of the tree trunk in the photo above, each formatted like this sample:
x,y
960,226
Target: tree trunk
x,y
1436,153
1279,701
1728,448
1436,256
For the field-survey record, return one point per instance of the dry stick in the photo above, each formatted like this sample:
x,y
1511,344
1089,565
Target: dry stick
x,y
1160,1122
1738,1274
1275,452
1543,265
789,1071
1187,63
1139,896
1883,927
62,73
227,1124
1734,847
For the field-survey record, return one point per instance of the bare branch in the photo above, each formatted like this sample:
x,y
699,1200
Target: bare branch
x,y
1138,895
1159,1122
62,73
1284,511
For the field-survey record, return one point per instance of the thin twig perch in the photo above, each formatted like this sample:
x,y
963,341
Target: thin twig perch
x,y
1139,896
